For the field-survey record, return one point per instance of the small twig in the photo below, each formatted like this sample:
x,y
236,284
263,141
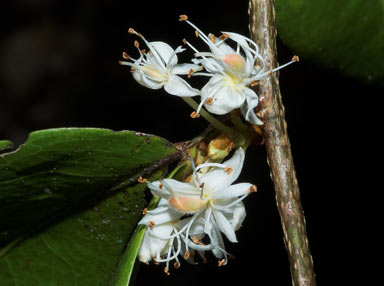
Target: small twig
x,y
263,31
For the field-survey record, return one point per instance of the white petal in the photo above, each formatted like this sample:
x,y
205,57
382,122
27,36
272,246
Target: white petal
x,y
232,191
177,86
225,226
181,188
225,98
160,218
144,254
185,68
166,52
248,108
238,216
218,179
157,245
157,191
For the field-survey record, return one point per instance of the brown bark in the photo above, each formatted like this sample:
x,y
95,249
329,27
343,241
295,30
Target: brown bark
x,y
263,32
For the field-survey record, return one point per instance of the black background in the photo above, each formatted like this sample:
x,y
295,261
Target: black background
x,y
59,68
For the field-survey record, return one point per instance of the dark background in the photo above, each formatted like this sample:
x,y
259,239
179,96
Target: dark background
x,y
59,68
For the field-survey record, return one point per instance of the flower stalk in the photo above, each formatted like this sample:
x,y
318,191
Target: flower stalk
x,y
262,28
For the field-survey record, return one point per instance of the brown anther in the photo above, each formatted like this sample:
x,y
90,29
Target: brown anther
x,y
145,211
202,185
188,179
143,51
209,100
187,255
125,56
270,73
160,186
131,31
224,36
212,38
121,63
197,241
254,83
195,114
184,41
228,170
151,223
141,179
191,71
136,44
296,59
252,189
166,270
176,265
146,262
183,17
196,33
221,262
132,69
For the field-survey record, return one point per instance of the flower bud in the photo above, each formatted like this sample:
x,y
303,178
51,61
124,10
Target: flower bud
x,y
220,147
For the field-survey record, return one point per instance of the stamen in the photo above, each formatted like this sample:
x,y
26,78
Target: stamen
x,y
194,114
143,51
209,100
139,35
132,69
228,170
196,33
151,223
166,271
296,59
184,41
252,189
224,36
254,83
160,186
141,179
212,38
188,179
183,18
191,71
145,211
222,262
125,56
197,241
136,44
176,265
187,255
131,31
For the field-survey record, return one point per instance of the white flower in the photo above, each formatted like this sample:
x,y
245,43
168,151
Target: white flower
x,y
158,67
214,203
232,72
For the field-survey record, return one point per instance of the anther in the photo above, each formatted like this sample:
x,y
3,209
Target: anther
x,y
196,33
195,114
132,69
228,170
187,255
191,71
202,185
252,189
141,179
188,179
197,241
166,271
296,59
221,262
176,265
209,100
131,31
125,56
143,51
121,62
212,38
183,18
136,44
184,41
151,223
224,36
254,83
145,211
160,186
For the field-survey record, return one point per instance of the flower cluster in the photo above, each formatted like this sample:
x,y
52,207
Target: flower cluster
x,y
232,71
192,216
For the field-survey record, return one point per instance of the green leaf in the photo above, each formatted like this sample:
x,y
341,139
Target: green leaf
x,y
345,35
83,249
5,144
58,170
